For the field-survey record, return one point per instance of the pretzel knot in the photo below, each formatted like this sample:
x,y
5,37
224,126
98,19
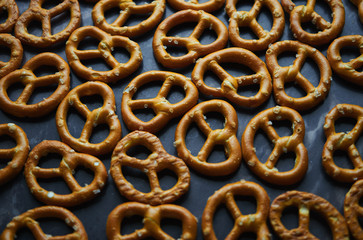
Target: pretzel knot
x,y
104,51
282,75
70,161
35,12
163,109
157,161
26,77
17,154
293,143
359,4
306,202
343,142
242,223
12,10
16,55
225,137
153,10
194,47
29,220
230,84
249,19
208,6
103,115
152,217
352,209
306,13
347,70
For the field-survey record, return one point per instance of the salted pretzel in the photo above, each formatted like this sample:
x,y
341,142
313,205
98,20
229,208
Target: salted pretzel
x,y
306,202
157,161
12,10
69,163
16,56
282,75
255,222
230,84
344,141
30,81
152,217
29,220
163,109
353,210
195,49
153,10
248,19
208,6
104,51
293,143
103,115
347,70
306,13
35,12
225,137
359,4
17,155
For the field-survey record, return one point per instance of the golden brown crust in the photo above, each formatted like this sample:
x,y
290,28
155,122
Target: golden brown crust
x,y
352,209
208,6
13,13
16,56
230,85
152,217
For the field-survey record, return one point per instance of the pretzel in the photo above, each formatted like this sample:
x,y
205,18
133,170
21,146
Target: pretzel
x,y
293,143
352,210
16,56
153,10
70,161
12,10
306,13
104,51
103,115
343,141
242,223
359,4
29,220
208,6
230,84
152,217
164,111
35,12
157,161
226,137
347,70
17,155
195,49
248,19
306,202
26,77
282,75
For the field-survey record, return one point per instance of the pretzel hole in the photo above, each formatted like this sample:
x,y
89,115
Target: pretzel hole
x,y
176,51
56,185
6,142
88,43
311,71
137,178
247,33
92,102
131,223
184,30
282,127
83,176
99,133
14,91
286,58
249,90
264,152
51,160
176,94
49,4
194,139
112,13
96,64
5,53
54,226
222,217
211,80
344,124
77,120
341,159
265,18
215,120
4,15
144,115
208,36
60,21
237,69
318,226
294,90
142,2
172,226
286,162
121,54
248,236
139,151
245,5
148,91
218,154
167,179
136,19
290,217
348,53
35,28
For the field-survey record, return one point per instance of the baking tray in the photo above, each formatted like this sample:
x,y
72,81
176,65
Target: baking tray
x,y
15,197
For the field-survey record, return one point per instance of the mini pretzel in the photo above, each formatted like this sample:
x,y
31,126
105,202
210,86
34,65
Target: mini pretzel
x,y
153,10
152,217
157,161
104,51
164,111
13,13
225,137
208,6
230,84
242,223
35,12
249,19
103,115
303,14
194,47
16,56
359,4
352,210
282,75
344,142
347,70
26,77
70,161
17,155
306,202
293,143
29,220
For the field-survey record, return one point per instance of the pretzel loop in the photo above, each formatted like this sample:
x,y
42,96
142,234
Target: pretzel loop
x,y
16,56
352,210
13,13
